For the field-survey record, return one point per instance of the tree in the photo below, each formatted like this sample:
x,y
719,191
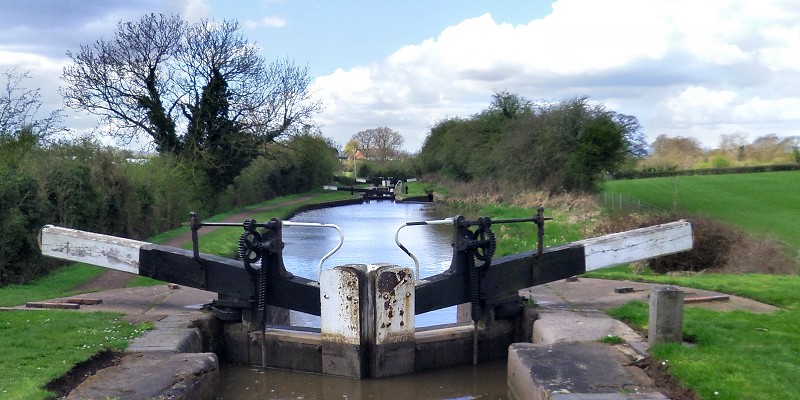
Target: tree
x,y
21,126
509,104
770,149
554,147
161,73
674,152
380,144
350,149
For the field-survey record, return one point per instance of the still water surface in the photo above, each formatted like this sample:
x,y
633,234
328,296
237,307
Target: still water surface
x,y
369,231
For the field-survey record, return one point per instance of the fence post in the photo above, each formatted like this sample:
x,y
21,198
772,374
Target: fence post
x,y
666,315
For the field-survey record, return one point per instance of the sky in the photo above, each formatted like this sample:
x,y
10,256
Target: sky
x,y
696,69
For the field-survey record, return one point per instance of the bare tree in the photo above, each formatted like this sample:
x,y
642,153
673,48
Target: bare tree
x,y
380,143
155,76
19,109
21,126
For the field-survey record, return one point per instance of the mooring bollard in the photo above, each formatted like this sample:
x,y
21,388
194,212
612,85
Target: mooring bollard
x,y
666,315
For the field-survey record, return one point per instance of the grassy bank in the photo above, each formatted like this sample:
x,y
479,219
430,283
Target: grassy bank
x,y
42,345
763,203
730,355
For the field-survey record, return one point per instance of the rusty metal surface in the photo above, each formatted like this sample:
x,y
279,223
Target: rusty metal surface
x,y
341,305
394,304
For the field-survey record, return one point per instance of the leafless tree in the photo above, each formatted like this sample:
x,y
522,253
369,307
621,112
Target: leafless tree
x,y
152,72
20,106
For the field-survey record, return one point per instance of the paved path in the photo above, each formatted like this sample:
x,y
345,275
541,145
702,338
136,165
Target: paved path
x,y
155,302
598,294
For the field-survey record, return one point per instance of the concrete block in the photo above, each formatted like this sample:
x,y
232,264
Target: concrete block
x,y
184,340
554,326
154,375
579,370
236,344
666,315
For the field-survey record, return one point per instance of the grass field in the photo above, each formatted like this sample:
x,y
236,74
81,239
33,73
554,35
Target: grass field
x,y
734,355
766,203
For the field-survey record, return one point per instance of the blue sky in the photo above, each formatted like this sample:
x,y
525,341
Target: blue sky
x,y
700,69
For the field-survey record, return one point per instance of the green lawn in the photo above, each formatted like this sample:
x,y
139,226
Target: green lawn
x,y
766,203
731,355
42,345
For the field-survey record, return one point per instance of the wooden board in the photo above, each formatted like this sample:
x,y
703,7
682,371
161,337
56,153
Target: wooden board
x,y
638,244
90,248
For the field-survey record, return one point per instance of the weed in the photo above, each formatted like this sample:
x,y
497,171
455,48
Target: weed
x,y
612,339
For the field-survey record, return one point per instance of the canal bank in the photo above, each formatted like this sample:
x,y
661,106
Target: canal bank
x,y
177,358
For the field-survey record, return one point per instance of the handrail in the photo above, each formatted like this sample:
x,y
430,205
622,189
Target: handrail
x,y
320,225
446,221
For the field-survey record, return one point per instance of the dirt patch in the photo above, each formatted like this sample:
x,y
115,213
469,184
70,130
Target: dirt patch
x,y
109,279
64,384
666,383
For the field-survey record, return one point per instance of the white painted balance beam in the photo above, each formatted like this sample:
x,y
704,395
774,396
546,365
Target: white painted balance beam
x,y
91,248
636,245
601,252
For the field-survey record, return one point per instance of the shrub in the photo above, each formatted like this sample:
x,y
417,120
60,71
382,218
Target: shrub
x,y
20,219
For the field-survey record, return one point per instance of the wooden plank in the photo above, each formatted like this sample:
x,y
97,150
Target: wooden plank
x,y
52,304
85,302
90,248
638,244
706,299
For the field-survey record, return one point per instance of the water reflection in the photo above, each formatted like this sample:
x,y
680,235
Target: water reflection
x,y
369,237
486,381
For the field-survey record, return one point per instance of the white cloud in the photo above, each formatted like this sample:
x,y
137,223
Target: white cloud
x,y
678,65
190,10
265,22
698,105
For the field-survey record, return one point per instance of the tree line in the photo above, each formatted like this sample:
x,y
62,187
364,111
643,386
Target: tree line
x,y
552,147
734,150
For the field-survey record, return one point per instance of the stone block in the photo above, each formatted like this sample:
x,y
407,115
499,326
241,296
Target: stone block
x,y
578,370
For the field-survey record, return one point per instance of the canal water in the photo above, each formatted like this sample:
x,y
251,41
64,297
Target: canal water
x,y
369,237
